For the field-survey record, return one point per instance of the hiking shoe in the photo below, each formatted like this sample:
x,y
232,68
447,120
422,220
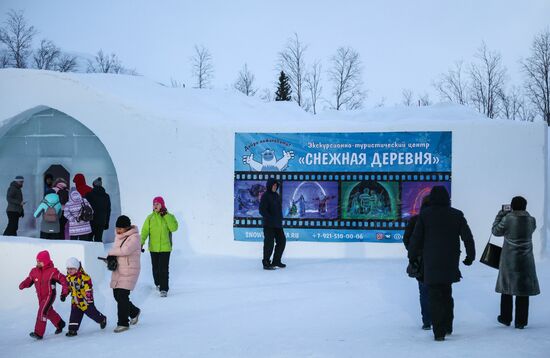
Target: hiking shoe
x,y
71,333
103,323
279,264
267,265
35,336
163,293
60,327
134,321
426,327
502,321
119,329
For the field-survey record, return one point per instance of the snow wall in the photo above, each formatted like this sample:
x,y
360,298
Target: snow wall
x,y
18,257
179,143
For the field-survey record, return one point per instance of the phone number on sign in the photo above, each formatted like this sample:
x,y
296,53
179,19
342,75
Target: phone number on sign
x,y
338,236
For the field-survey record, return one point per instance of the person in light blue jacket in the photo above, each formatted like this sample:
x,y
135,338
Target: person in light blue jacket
x,y
50,209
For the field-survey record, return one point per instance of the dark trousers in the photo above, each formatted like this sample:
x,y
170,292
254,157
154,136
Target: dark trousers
x,y
13,223
274,237
62,223
97,233
50,235
77,314
125,307
160,262
522,309
87,237
441,308
425,303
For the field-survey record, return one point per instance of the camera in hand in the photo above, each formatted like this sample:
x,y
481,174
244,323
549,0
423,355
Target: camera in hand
x,y
506,207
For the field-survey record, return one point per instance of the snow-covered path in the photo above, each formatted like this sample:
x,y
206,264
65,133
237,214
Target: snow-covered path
x,y
229,307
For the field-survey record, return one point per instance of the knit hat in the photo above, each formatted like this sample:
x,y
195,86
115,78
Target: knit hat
x,y
44,257
72,262
98,182
123,222
19,178
159,200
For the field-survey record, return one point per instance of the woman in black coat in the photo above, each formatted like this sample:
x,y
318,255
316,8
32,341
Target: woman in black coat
x,y
517,274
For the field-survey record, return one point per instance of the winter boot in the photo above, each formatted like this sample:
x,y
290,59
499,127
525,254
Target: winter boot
x,y
119,329
60,327
502,321
71,333
103,323
440,339
163,293
279,264
267,265
426,327
35,336
135,320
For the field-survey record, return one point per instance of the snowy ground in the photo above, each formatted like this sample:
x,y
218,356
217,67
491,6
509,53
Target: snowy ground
x,y
220,306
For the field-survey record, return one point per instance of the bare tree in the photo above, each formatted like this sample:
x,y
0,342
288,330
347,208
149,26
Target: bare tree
x,y
511,103
313,85
407,97
105,63
453,86
46,56
66,63
266,95
174,83
487,81
345,76
4,58
202,67
537,69
291,61
245,82
17,36
424,100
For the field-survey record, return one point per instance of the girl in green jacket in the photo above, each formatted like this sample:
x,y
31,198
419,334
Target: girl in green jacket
x,y
158,228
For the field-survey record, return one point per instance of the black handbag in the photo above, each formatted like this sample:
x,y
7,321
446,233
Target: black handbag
x,y
491,255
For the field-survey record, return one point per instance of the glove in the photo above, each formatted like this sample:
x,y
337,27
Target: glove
x,y
468,261
163,211
62,298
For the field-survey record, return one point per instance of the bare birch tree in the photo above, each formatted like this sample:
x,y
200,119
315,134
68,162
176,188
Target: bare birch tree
x,y
537,69
453,86
46,56
424,100
105,63
313,85
487,81
17,36
291,61
202,68
66,63
245,82
407,95
345,75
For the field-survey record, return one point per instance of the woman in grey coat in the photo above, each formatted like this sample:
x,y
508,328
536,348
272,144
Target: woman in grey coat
x,y
517,275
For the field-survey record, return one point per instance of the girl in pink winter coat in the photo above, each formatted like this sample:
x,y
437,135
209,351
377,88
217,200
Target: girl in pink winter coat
x,y
44,277
127,250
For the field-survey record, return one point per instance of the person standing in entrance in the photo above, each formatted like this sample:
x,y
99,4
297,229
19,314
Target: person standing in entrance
x,y
101,203
79,213
271,210
14,210
158,227
437,234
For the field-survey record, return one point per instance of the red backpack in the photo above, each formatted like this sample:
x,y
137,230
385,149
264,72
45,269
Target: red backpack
x,y
50,215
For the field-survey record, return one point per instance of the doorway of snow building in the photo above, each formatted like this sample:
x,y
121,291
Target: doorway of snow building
x,y
44,140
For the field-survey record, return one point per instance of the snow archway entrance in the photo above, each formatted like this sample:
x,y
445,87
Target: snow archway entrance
x,y
40,138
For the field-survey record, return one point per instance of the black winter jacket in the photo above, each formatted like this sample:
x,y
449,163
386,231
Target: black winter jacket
x,y
437,236
271,207
101,203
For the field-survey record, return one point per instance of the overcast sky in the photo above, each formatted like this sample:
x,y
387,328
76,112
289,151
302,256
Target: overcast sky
x,y
402,43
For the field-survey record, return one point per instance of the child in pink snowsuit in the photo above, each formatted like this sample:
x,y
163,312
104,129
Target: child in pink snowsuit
x,y
44,277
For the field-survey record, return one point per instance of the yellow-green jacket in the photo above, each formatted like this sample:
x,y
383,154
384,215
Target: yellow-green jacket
x,y
158,229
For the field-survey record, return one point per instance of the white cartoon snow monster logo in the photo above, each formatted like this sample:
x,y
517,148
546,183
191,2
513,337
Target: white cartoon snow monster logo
x,y
269,163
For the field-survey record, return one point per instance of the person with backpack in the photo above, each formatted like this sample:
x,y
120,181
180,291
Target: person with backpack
x,y
61,188
158,227
79,213
50,209
101,203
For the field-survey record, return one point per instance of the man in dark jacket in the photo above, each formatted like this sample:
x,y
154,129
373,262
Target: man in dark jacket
x,y
437,235
271,210
14,209
101,203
